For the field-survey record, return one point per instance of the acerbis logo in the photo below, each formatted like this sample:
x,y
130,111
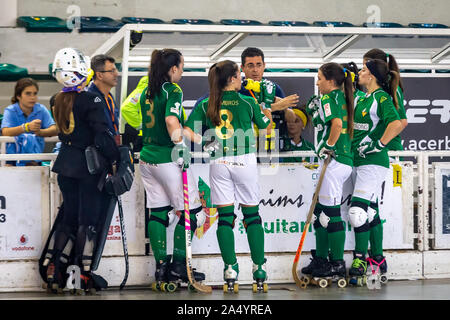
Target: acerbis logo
x,y
418,109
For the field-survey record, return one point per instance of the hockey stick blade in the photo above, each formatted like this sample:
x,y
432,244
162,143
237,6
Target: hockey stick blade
x,y
308,222
124,243
187,229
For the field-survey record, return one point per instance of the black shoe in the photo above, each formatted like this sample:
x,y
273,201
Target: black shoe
x,y
312,265
338,268
162,271
378,261
323,268
178,271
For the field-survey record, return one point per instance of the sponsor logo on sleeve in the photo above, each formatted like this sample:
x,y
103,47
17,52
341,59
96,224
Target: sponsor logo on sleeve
x,y
327,109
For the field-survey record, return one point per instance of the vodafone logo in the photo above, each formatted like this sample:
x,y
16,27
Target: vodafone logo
x,y
23,240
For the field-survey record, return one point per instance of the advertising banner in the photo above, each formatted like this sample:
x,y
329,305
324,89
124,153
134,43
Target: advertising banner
x,y
24,211
286,192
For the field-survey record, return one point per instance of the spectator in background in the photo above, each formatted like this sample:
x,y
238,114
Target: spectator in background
x,y
131,118
105,78
27,120
295,141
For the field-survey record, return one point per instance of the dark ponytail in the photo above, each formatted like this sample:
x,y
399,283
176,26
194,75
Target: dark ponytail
x,y
353,68
341,77
160,64
386,57
218,78
388,80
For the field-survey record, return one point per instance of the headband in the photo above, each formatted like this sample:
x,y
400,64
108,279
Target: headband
x,y
302,116
373,70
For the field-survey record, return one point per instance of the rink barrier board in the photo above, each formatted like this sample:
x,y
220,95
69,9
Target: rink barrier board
x,y
407,264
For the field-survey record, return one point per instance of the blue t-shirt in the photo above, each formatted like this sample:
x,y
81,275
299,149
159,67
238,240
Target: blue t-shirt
x,y
14,117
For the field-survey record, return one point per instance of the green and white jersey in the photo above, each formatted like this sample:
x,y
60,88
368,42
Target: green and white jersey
x,y
372,115
235,132
396,143
358,94
304,145
157,144
333,105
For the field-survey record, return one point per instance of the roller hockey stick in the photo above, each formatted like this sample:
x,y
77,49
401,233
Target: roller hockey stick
x,y
124,242
187,229
308,222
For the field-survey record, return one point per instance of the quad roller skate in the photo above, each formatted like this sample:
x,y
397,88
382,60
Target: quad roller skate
x,y
376,274
260,277
161,275
230,275
307,271
178,274
87,285
55,280
328,272
357,272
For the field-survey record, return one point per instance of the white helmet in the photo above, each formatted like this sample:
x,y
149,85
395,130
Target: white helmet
x,y
70,67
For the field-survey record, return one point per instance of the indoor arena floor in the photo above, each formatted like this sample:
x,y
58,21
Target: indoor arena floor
x,y
432,289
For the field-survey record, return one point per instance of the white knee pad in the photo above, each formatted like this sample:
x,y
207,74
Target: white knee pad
x,y
171,216
324,219
371,212
357,216
201,217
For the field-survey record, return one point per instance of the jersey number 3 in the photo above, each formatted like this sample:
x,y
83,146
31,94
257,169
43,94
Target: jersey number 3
x,y
225,130
151,123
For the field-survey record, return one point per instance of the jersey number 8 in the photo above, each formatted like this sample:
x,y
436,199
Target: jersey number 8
x,y
225,130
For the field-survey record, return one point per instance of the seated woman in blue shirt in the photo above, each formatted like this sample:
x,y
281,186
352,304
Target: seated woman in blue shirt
x,y
27,119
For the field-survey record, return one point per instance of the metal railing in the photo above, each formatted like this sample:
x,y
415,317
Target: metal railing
x,y
422,189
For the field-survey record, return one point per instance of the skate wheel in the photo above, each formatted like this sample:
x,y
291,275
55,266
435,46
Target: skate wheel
x,y
305,280
342,283
236,288
225,288
303,285
162,286
383,279
323,283
170,287
79,292
191,288
265,287
362,281
255,288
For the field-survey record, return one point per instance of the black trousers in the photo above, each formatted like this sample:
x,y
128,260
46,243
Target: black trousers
x,y
83,202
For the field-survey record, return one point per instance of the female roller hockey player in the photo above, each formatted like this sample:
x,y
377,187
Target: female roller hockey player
x,y
81,122
376,231
335,129
162,158
233,174
376,123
